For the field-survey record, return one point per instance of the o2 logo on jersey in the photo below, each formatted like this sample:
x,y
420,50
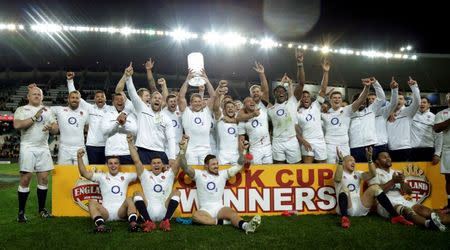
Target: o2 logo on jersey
x,y
198,120
157,188
40,118
72,120
309,117
115,190
211,186
334,121
231,131
175,123
255,123
351,187
280,112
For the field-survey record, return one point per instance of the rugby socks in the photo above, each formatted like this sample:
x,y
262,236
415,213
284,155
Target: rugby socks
x,y
132,217
42,196
173,204
386,204
243,224
22,194
98,221
140,206
343,203
223,222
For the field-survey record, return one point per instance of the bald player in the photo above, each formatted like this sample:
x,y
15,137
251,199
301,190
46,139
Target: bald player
x,y
34,121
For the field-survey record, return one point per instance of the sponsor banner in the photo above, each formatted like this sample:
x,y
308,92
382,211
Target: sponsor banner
x,y
263,189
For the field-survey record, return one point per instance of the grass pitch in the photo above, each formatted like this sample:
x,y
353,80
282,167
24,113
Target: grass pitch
x,y
276,232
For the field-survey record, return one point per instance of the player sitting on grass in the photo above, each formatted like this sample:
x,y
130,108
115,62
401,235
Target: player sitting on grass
x,y
347,183
114,186
393,183
160,201
210,187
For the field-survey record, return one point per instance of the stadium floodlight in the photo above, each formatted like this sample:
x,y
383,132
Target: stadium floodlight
x,y
211,37
233,39
305,47
414,57
388,55
325,49
46,28
21,27
398,56
315,48
179,35
405,56
350,52
253,41
267,43
125,31
290,45
409,47
160,33
402,49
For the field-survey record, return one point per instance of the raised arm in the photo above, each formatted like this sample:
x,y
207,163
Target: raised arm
x,y
339,167
164,91
182,103
363,96
109,126
326,65
390,108
71,87
216,106
135,99
121,84
242,160
81,167
298,92
411,110
135,156
151,81
243,116
372,168
183,163
259,68
210,89
183,146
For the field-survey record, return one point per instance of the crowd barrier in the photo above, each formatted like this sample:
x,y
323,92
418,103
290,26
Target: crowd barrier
x,y
263,189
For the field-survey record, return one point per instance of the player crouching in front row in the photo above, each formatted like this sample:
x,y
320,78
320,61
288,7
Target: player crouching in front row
x,y
114,186
210,187
347,183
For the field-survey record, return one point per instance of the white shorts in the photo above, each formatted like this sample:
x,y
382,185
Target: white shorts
x,y
34,159
228,158
196,157
445,161
156,210
395,201
288,151
113,211
68,156
319,150
262,155
212,209
357,209
331,151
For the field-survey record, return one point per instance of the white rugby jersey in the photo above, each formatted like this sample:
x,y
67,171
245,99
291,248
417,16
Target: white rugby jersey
x,y
34,136
283,117
257,130
382,178
351,181
155,129
310,121
442,116
116,134
261,106
71,125
336,123
210,187
399,131
95,136
422,133
113,188
381,118
157,188
362,130
197,125
176,123
228,137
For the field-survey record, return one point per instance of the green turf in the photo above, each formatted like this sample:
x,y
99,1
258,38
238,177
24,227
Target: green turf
x,y
299,232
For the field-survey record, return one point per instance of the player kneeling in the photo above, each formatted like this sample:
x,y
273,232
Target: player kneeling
x,y
210,187
113,185
347,183
159,202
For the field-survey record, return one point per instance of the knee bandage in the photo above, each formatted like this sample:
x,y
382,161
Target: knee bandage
x,y
23,189
138,198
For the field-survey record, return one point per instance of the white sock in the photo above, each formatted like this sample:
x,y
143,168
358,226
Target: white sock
x,y
245,225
